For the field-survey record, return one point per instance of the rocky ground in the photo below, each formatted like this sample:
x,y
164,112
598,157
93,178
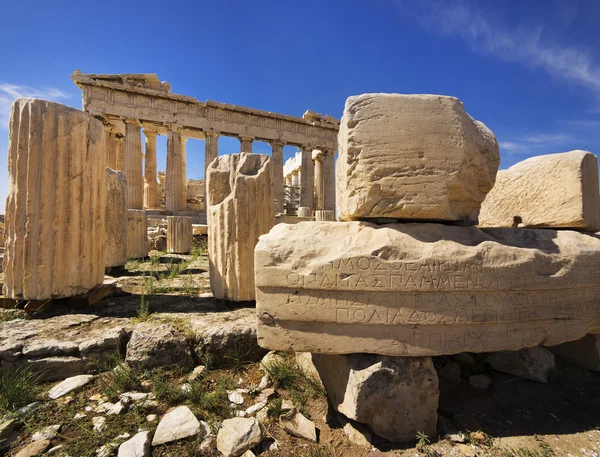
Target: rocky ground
x,y
161,368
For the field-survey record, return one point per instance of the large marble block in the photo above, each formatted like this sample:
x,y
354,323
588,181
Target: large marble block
x,y
395,396
423,289
584,352
412,157
554,190
56,201
179,234
115,249
240,209
137,234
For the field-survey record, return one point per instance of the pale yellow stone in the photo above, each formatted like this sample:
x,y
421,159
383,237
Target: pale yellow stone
x,y
200,229
324,215
413,157
179,234
423,289
240,209
56,201
137,234
115,249
554,190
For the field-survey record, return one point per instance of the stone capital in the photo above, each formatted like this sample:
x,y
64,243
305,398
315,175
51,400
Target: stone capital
x,y
149,132
246,138
276,143
212,134
135,122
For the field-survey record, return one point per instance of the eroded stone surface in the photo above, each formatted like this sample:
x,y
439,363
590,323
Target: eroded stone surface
x,y
137,234
240,209
531,363
526,195
584,352
424,289
138,446
177,424
413,157
56,201
179,234
237,435
69,385
395,396
153,346
115,250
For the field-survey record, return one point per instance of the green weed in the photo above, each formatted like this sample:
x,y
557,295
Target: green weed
x,y
19,388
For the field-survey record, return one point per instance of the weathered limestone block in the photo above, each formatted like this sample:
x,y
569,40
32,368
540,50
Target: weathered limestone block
x,y
583,353
115,249
527,194
423,289
240,209
179,234
413,157
530,363
137,234
56,201
396,396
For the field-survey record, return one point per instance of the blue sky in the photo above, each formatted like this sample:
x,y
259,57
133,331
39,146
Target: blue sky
x,y
530,73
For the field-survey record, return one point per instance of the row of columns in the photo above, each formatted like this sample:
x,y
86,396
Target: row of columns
x,y
125,153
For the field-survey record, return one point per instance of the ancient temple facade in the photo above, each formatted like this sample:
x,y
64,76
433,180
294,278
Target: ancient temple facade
x,y
130,104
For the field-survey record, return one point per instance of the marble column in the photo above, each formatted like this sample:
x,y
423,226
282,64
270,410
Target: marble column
x,y
120,152
246,144
277,158
307,182
174,186
111,147
288,180
133,164
319,184
150,184
329,180
211,152
184,171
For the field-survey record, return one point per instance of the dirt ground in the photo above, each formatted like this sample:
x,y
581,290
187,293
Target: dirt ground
x,y
515,416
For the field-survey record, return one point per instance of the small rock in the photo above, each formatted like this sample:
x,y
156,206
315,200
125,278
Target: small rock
x,y
196,373
457,438
138,446
33,449
79,416
297,425
465,359
25,410
287,405
480,381
124,436
106,450
256,408
133,397
236,396
154,346
237,435
98,423
65,400
450,372
47,433
265,395
178,423
55,449
272,358
151,417
6,428
207,445
466,450
357,434
265,382
248,453
478,437
69,385
240,413
104,407
96,397
116,409
530,363
186,388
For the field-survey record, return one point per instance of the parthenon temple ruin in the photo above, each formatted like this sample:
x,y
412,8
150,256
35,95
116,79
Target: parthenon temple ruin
x,y
128,104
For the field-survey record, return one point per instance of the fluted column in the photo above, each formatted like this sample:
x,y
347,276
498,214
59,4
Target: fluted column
x,y
277,158
246,144
211,152
329,181
319,184
150,184
111,146
120,152
133,164
183,196
307,182
174,178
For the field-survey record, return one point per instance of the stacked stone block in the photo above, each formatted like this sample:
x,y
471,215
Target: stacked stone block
x,y
137,234
179,234
115,249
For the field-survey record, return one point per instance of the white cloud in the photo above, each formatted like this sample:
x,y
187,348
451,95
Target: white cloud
x,y
486,33
10,92
539,143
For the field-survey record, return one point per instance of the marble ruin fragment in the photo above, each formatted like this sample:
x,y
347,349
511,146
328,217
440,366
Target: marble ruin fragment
x,y
56,201
115,248
137,234
528,194
423,289
396,396
584,352
240,209
179,234
413,157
